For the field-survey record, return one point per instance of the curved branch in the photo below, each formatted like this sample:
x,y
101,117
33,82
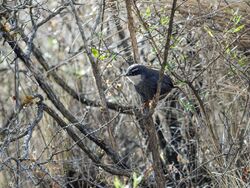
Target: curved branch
x,y
83,146
57,103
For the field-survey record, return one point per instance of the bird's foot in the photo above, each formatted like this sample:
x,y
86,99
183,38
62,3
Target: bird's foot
x,y
147,107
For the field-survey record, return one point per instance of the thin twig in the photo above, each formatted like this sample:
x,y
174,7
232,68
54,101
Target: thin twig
x,y
58,104
96,73
131,28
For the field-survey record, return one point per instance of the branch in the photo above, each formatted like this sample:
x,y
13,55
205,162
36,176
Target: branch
x,y
37,119
96,73
166,51
121,33
146,27
153,147
83,146
132,32
39,56
54,99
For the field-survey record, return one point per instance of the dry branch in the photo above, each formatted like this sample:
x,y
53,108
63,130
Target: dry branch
x,y
55,100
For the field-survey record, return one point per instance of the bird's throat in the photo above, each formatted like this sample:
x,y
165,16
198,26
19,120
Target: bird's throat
x,y
135,79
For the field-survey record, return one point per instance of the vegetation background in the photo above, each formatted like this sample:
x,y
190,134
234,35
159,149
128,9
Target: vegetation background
x,y
68,118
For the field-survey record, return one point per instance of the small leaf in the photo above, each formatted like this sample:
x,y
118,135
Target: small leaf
x,y
228,51
237,19
188,106
148,12
113,57
237,29
104,56
136,180
117,183
164,20
242,62
95,52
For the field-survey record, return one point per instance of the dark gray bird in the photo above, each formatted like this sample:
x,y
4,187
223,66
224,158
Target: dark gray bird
x,y
145,81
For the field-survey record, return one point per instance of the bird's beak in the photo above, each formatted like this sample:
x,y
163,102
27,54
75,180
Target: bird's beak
x,y
124,74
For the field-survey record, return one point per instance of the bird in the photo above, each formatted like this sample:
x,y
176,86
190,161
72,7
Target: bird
x,y
145,81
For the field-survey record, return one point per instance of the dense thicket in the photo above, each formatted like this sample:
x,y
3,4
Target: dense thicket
x,y
68,118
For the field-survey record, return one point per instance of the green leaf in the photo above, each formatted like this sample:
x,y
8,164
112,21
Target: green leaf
x,y
187,105
136,180
117,183
148,12
242,62
95,52
164,20
113,57
237,29
104,56
228,51
237,19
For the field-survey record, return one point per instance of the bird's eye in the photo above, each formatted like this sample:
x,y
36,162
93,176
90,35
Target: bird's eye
x,y
134,71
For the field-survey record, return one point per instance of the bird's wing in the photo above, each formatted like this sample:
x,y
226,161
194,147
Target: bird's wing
x,y
167,81
166,86
141,91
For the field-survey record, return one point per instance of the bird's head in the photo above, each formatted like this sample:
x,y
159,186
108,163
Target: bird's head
x,y
145,81
136,73
135,70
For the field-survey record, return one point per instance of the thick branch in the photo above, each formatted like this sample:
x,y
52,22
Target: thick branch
x,y
153,147
39,56
54,99
132,32
83,146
